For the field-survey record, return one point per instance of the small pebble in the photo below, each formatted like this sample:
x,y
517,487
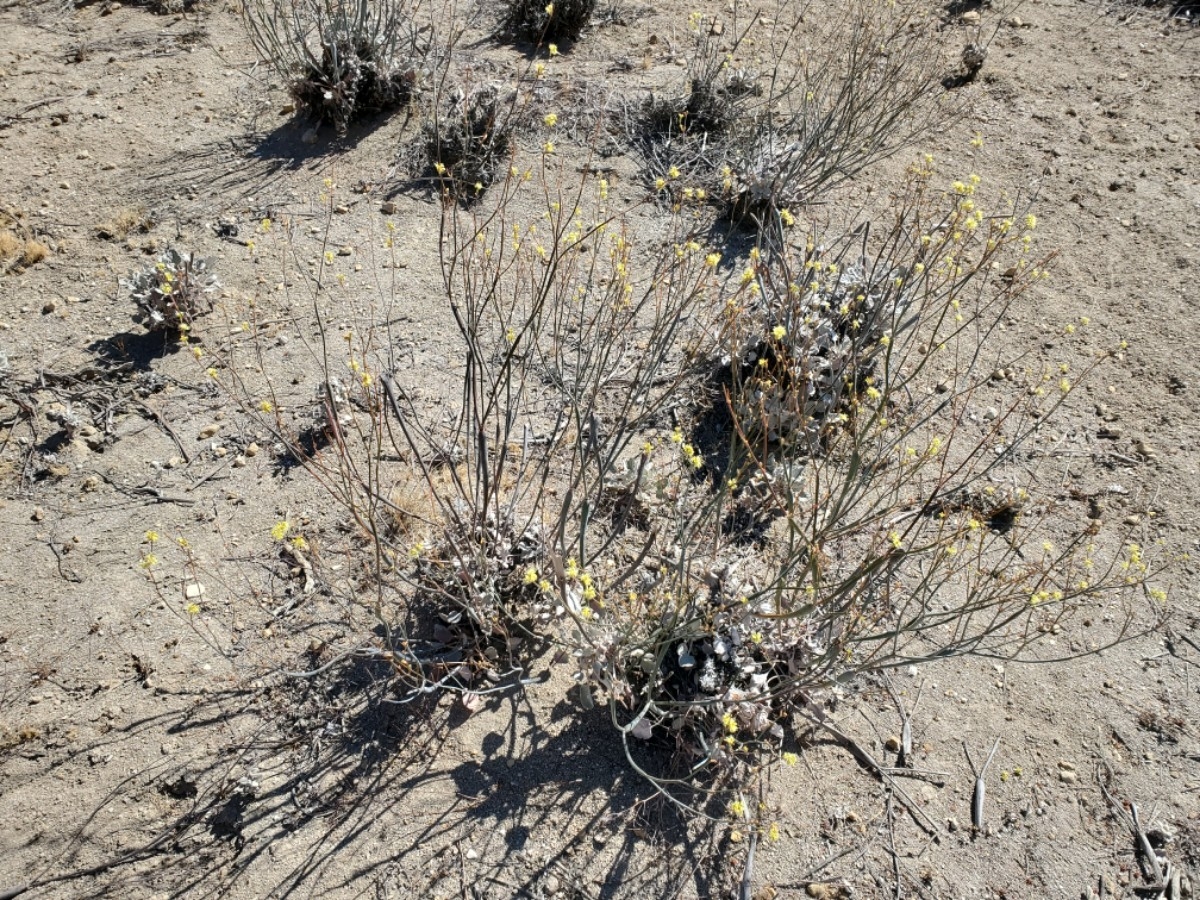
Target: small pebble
x,y
252,450
209,430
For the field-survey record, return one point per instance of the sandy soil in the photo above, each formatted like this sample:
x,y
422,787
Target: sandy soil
x,y
128,726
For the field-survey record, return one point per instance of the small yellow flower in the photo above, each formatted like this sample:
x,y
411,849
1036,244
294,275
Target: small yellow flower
x,y
415,551
280,529
737,808
673,172
549,146
729,722
773,832
148,561
549,9
539,70
437,167
151,536
712,260
531,576
553,48
192,609
551,120
786,217
299,542
779,332
791,759
660,183
266,406
1031,221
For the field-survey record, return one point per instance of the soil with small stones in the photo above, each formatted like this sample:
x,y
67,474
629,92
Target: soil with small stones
x,y
143,729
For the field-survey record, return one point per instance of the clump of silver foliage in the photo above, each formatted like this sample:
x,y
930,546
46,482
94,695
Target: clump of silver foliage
x,y
704,664
805,350
173,292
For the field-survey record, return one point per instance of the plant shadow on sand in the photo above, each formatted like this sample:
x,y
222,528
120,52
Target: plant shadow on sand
x,y
254,164
361,797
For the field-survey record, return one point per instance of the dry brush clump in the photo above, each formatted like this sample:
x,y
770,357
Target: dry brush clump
x,y
555,21
845,92
717,490
342,60
469,139
19,247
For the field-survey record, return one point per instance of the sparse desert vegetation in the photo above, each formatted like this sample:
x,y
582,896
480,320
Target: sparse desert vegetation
x,y
591,450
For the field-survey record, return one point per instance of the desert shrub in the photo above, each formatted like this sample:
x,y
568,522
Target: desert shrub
x,y
343,59
718,495
171,294
1178,12
843,94
468,140
556,21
